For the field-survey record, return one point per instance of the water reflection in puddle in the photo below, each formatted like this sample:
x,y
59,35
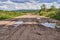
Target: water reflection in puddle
x,y
17,23
51,25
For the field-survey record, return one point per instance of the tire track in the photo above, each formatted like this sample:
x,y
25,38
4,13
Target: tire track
x,y
17,33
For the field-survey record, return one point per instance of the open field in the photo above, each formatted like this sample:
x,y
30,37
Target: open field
x,y
11,14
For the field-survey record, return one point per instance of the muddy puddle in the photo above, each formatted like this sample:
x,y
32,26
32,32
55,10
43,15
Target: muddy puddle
x,y
50,25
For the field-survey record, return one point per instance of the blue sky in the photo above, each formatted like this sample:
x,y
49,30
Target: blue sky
x,y
26,4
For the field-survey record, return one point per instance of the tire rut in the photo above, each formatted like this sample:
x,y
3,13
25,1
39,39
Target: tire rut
x,y
18,33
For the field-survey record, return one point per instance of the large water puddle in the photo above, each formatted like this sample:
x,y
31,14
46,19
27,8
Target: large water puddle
x,y
50,25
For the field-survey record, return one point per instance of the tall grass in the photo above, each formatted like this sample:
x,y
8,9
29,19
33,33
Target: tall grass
x,y
9,14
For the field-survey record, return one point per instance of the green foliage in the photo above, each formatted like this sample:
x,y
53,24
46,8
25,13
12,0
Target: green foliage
x,y
52,8
57,16
43,10
9,14
52,12
43,7
12,14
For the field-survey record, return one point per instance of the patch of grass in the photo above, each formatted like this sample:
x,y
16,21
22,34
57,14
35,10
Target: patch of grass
x,y
9,14
52,14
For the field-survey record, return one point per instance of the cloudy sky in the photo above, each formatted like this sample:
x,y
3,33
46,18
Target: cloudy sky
x,y
26,4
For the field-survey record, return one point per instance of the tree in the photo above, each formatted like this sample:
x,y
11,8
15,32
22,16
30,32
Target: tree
x,y
43,9
52,11
53,8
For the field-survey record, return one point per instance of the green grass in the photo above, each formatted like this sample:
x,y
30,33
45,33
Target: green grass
x,y
52,14
9,14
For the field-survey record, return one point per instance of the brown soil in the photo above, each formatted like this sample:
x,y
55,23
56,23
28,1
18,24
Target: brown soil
x,y
30,30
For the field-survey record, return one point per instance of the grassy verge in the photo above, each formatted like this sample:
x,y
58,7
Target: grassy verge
x,y
9,14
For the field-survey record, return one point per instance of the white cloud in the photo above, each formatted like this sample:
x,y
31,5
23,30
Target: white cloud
x,y
3,7
8,5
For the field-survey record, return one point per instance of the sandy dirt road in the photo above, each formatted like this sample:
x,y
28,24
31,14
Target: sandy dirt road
x,y
28,31
34,32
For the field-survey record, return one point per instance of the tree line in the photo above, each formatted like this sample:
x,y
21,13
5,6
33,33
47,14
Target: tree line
x,y
52,12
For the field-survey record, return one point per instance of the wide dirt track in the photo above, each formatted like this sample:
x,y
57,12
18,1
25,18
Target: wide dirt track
x,y
31,29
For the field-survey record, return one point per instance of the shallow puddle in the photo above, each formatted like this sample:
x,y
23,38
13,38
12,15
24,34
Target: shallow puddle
x,y
51,25
17,23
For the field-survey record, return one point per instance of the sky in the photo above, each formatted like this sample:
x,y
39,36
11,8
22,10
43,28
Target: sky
x,y
27,4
